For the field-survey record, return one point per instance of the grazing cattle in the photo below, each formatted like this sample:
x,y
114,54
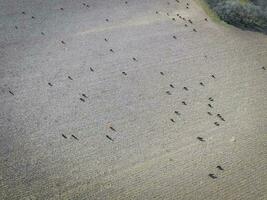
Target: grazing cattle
x,y
220,168
183,102
201,139
70,78
190,21
106,39
168,92
134,59
84,95
124,73
216,124
107,20
213,176
185,25
194,30
63,42
185,88
206,19
211,99
173,19
111,50
113,129
23,13
50,84
162,73
171,85
92,69
218,115
172,120
82,99
64,136
11,92
210,105
209,113
177,112
74,137
201,83
174,37
109,138
213,76
42,33
263,68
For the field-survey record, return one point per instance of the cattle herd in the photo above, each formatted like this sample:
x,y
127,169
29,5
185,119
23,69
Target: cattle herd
x,y
217,119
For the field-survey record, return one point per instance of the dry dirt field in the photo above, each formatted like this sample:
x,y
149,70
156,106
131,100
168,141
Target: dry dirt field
x,y
108,99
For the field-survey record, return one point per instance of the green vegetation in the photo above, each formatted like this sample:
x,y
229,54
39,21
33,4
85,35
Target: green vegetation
x,y
246,14
212,14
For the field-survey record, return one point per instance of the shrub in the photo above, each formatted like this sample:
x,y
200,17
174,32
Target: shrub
x,y
250,15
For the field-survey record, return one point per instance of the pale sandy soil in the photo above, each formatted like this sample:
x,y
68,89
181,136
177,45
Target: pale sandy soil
x,y
150,156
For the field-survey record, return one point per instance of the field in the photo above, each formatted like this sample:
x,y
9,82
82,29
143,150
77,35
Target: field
x,y
127,100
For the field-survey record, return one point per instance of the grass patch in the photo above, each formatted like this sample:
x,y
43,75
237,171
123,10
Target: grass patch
x,y
207,9
211,13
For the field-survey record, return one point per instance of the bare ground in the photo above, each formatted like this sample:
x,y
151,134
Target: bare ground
x,y
49,93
